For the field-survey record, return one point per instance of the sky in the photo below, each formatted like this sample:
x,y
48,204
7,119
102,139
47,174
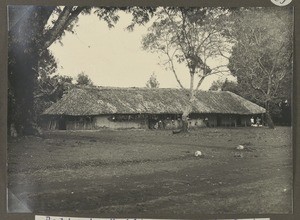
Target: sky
x,y
114,57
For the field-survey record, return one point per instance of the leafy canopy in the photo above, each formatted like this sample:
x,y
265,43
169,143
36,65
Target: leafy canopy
x,y
262,56
189,36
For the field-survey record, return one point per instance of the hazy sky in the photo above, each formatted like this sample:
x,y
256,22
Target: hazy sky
x,y
114,57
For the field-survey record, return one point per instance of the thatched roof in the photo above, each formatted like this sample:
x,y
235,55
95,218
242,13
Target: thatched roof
x,y
107,100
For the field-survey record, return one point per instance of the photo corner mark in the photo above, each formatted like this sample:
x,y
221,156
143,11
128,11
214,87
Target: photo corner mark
x,y
281,2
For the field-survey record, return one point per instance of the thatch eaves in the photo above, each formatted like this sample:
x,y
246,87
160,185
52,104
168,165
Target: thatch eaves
x,y
106,100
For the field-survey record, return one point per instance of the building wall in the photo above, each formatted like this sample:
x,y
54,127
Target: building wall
x,y
228,121
104,122
195,122
235,121
67,123
49,124
212,120
202,120
79,125
245,120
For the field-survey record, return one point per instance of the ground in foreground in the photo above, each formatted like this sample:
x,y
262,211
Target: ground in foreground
x,y
137,173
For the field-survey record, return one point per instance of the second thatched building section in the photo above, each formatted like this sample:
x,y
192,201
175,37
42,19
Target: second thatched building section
x,y
104,107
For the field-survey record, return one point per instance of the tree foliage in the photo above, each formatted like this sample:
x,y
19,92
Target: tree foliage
x,y
227,85
191,36
83,80
216,85
152,82
262,56
49,90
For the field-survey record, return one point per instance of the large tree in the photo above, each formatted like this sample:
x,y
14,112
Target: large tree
x,y
192,37
32,30
262,56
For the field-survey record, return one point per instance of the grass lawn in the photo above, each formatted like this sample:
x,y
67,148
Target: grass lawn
x,y
138,173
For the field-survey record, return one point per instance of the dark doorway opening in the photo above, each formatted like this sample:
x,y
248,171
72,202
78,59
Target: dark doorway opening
x,y
238,121
62,124
219,120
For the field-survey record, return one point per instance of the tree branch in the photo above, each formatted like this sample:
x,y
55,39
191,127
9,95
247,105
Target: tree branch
x,y
52,33
66,17
277,57
262,67
200,82
221,53
255,87
174,72
177,34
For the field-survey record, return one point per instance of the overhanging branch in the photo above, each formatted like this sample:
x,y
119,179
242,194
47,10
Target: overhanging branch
x,y
64,20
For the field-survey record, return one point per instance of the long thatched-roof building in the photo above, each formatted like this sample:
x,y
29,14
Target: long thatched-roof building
x,y
106,107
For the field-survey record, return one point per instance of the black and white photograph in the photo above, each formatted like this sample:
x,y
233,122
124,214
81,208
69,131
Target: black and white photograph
x,y
163,111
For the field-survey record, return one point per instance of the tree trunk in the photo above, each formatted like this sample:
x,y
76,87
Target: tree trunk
x,y
24,39
185,123
188,110
269,120
22,83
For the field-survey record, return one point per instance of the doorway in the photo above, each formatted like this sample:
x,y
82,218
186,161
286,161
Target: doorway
x,y
62,124
239,121
219,120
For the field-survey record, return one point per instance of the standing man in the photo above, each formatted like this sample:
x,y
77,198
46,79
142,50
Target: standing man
x,y
252,121
258,121
206,122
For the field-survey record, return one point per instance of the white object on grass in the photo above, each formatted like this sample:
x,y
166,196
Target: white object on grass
x,y
198,153
240,147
